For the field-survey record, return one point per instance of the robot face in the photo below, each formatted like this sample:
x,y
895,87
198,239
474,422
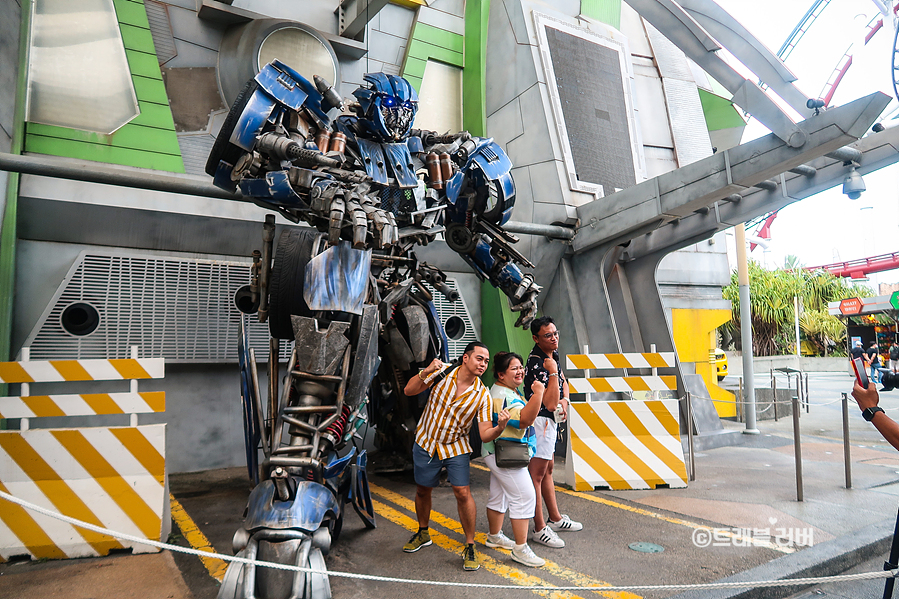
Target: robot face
x,y
397,115
389,104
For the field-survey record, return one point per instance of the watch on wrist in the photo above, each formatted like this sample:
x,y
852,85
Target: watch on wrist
x,y
868,413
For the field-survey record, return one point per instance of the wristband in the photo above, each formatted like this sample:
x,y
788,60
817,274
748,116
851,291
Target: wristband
x,y
553,374
420,373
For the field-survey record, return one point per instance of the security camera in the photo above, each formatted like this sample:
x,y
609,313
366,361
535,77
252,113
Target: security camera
x,y
815,104
853,184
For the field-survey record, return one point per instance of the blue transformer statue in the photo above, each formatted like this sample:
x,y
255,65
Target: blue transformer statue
x,y
349,292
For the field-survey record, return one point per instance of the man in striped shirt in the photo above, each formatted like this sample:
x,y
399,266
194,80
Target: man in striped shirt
x,y
441,440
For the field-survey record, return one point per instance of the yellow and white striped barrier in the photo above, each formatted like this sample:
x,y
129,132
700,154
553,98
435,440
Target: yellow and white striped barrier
x,y
625,445
86,404
622,384
55,371
631,360
112,477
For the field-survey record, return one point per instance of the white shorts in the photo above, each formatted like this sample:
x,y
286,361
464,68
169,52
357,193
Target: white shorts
x,y
547,432
894,365
511,489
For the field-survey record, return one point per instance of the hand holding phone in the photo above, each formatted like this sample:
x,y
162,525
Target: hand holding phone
x,y
860,375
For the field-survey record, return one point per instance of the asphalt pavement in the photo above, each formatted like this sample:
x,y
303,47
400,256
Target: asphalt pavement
x,y
739,520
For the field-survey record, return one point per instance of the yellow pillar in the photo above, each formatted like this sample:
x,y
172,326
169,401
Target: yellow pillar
x,y
694,338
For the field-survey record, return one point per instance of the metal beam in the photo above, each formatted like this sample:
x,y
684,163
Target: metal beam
x,y
676,195
877,150
96,172
684,32
354,15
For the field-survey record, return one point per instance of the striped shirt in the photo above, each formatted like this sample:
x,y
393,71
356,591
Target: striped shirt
x,y
444,425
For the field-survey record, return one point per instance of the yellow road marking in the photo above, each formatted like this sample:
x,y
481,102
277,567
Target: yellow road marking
x,y
453,525
514,575
196,538
748,540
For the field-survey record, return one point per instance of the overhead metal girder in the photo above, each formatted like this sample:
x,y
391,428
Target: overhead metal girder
x,y
354,15
877,151
748,50
642,208
687,34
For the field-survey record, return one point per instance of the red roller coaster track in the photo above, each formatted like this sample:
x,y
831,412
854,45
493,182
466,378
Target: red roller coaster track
x,y
857,269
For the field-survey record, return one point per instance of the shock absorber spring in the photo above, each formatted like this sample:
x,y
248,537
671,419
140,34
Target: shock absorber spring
x,y
338,426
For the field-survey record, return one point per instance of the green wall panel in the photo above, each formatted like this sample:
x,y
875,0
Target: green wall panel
x,y
147,141
439,37
720,113
100,153
419,49
604,11
431,43
474,89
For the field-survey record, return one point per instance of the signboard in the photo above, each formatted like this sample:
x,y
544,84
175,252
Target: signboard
x,y
894,300
852,305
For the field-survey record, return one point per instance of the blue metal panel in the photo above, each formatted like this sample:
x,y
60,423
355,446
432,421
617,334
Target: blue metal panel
x,y
454,186
415,145
283,84
275,187
251,121
313,503
373,157
492,160
222,177
401,164
337,279
336,467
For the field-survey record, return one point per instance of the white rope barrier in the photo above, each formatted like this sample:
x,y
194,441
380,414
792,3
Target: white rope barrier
x,y
242,560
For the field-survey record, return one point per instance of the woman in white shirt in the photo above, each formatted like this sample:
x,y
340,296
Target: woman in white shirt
x,y
512,488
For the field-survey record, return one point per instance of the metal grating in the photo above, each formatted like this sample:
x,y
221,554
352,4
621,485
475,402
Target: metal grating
x,y
446,310
161,30
195,149
591,93
172,308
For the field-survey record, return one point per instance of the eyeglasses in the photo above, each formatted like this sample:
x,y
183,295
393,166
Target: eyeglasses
x,y
550,335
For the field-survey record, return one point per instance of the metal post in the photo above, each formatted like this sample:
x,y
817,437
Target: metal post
x,y
774,393
891,564
797,448
848,466
746,329
805,390
740,403
796,318
690,437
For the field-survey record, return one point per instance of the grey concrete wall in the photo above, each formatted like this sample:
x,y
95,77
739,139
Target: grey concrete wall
x,y
762,365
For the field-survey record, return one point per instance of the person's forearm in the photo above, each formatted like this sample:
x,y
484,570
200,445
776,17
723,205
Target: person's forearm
x,y
529,413
416,384
887,427
551,395
492,433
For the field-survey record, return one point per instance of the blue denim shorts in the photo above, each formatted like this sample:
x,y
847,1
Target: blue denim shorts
x,y
427,468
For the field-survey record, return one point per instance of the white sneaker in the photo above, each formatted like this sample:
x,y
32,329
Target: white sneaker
x,y
566,524
526,556
548,537
500,541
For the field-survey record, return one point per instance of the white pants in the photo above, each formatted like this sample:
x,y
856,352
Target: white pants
x,y
894,365
511,489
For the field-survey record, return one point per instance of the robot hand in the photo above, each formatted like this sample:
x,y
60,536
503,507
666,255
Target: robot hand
x,y
527,307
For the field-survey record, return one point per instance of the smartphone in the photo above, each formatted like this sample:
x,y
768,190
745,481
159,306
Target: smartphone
x,y
860,375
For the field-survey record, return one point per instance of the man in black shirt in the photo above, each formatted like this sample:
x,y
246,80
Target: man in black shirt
x,y
857,351
872,359
543,365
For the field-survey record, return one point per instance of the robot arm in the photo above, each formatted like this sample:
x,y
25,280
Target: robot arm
x,y
474,175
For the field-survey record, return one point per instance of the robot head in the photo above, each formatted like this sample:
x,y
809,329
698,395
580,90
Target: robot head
x,y
389,105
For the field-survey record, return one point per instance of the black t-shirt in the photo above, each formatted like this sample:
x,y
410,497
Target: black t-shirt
x,y
856,352
873,356
534,370
894,352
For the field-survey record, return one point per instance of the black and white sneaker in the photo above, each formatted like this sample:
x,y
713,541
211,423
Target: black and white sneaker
x,y
566,524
